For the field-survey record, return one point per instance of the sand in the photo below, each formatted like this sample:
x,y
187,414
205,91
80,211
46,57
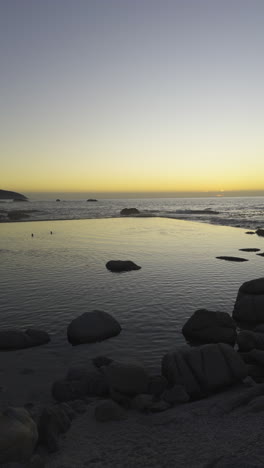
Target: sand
x,y
198,434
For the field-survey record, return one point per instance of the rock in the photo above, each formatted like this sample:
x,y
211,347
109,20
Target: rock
x,y
233,259
120,398
57,199
260,232
175,394
249,249
205,326
100,361
128,378
18,436
142,402
92,200
18,339
53,421
129,211
261,254
79,406
109,411
118,266
204,370
248,340
159,406
90,383
157,385
91,327
249,305
250,232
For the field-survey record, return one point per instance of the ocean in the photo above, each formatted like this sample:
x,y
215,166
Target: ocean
x,y
245,212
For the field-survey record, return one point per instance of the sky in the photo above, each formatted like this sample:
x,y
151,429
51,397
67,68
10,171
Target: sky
x,y
138,96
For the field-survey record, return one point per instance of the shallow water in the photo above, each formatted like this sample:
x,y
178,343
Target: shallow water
x,y
47,280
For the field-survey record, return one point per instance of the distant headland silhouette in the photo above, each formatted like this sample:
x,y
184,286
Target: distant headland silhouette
x,y
15,196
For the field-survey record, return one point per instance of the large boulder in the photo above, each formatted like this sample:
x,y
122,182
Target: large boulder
x,y
18,436
248,340
260,232
205,326
249,305
129,211
91,327
128,378
204,370
18,339
117,266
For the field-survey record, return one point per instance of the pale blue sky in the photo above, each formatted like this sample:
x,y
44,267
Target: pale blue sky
x,y
131,95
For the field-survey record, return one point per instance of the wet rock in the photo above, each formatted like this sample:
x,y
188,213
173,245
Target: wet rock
x,y
205,326
127,378
260,254
18,436
204,370
249,305
91,327
109,411
117,266
19,339
129,211
92,200
250,232
232,259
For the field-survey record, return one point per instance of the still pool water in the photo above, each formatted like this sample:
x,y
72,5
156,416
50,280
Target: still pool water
x,y
49,279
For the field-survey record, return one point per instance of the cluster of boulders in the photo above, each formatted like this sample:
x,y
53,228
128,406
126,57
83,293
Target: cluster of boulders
x,y
114,387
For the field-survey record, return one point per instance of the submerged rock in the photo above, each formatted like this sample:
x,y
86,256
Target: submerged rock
x,y
117,266
18,339
249,305
129,211
205,326
204,370
232,259
91,327
18,436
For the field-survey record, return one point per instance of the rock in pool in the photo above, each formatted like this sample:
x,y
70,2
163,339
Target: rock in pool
x,y
250,249
232,259
91,327
91,200
129,211
19,339
205,326
249,305
117,266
